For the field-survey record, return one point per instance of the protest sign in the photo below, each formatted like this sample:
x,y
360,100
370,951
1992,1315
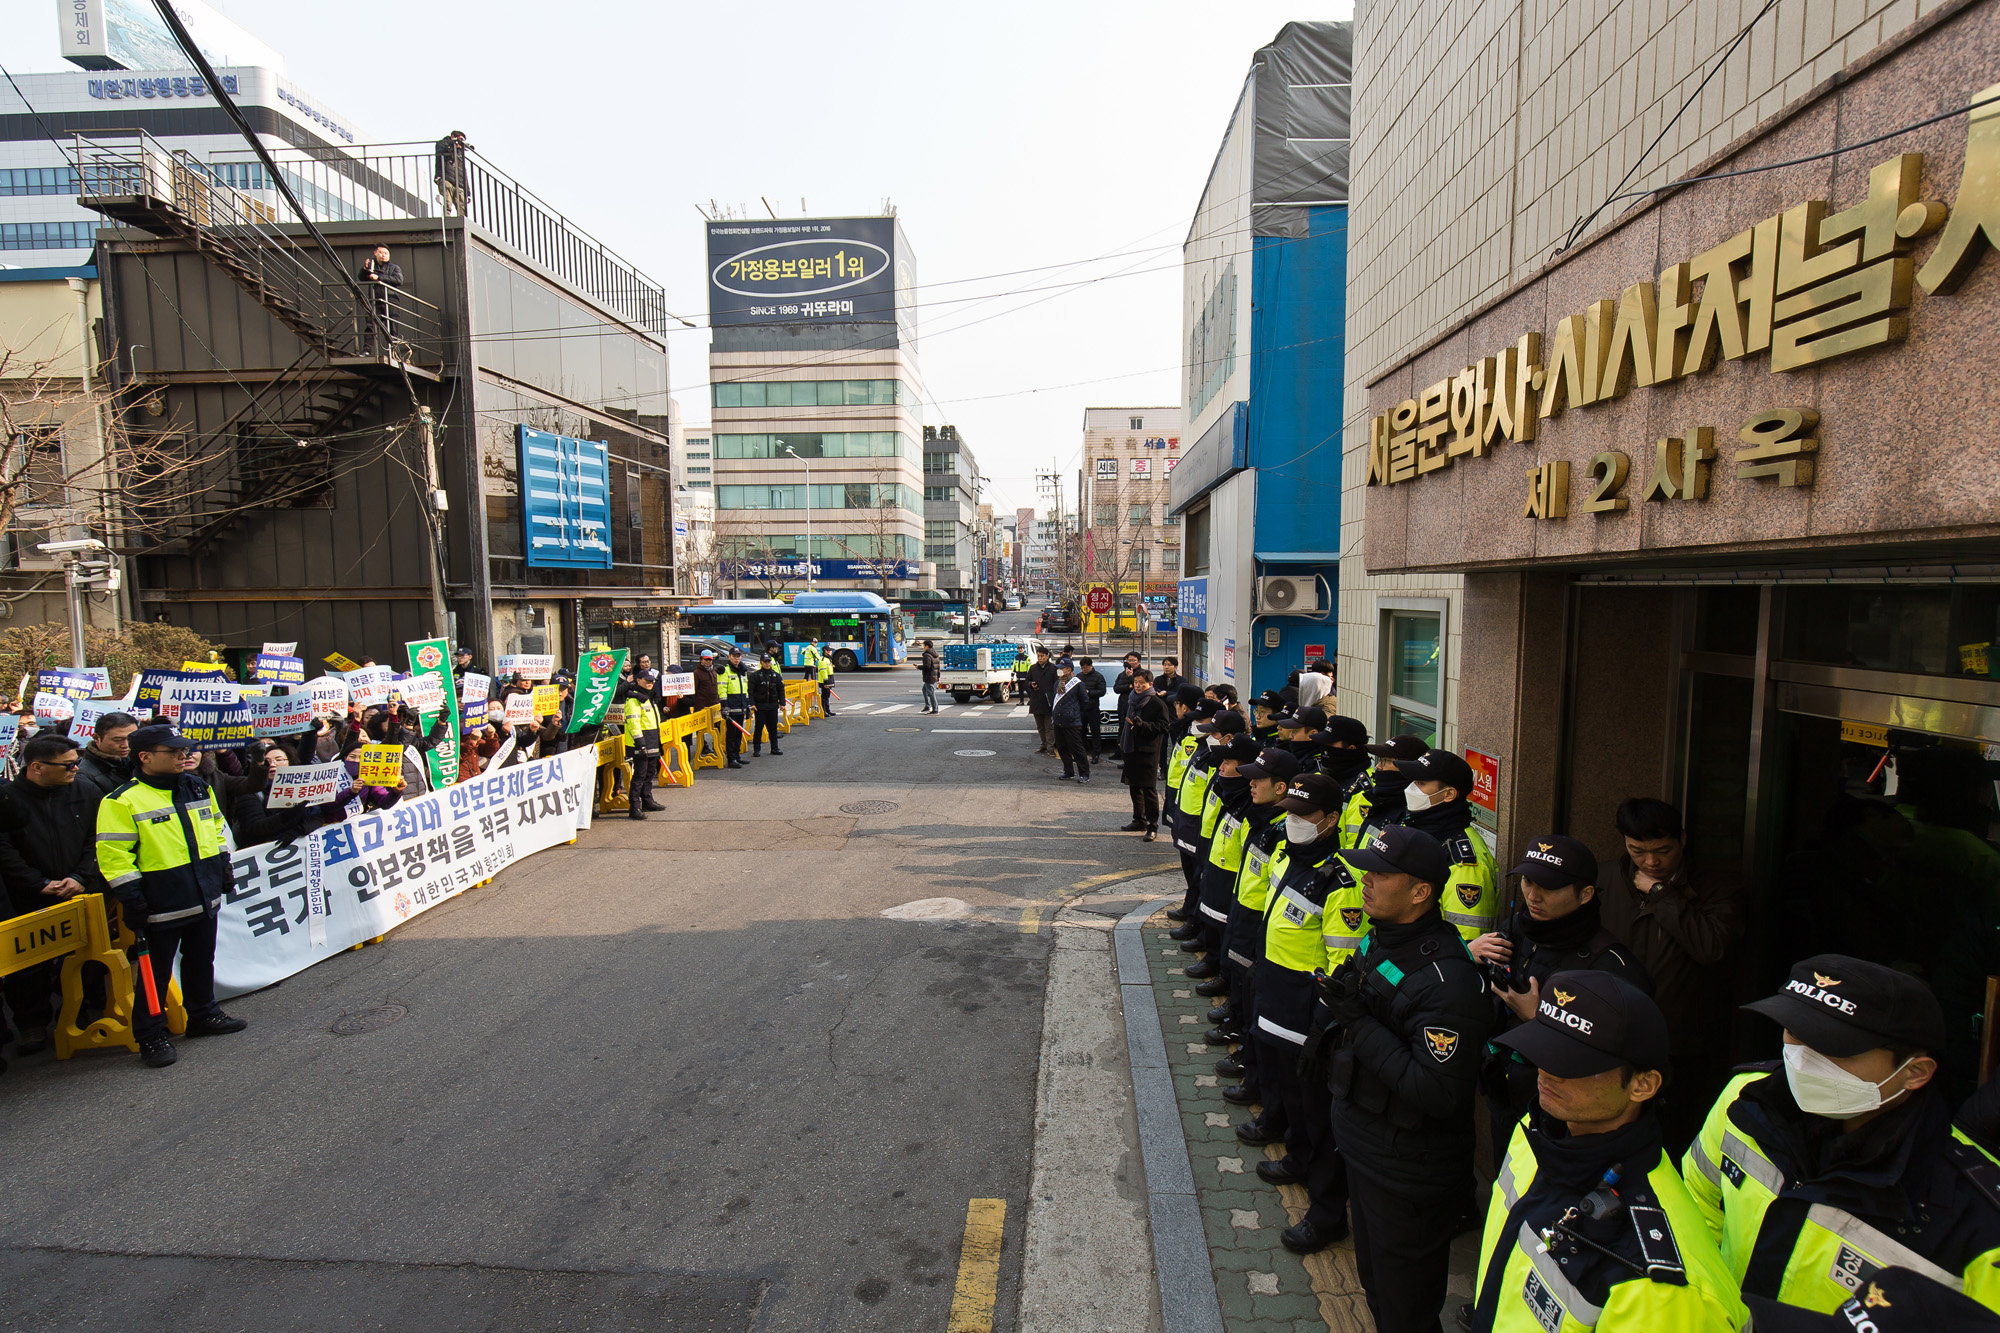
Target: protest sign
x,y
215,726
10,731
431,657
501,756
68,682
277,669
307,784
369,685
473,688
548,700
596,681
174,694
204,668
328,693
531,666
83,726
676,683
381,765
52,710
520,710
280,649
339,663
425,693
285,715
291,904
146,698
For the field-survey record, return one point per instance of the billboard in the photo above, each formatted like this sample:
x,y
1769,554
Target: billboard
x,y
129,34
805,270
565,501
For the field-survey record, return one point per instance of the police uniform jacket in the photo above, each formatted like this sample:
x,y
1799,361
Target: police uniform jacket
x,y
160,848
767,688
1190,798
1404,1076
1376,802
1244,942
1804,1213
1294,930
1226,820
1671,1278
1470,899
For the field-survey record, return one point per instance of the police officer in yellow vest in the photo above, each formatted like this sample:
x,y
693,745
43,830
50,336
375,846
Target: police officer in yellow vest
x,y
1199,818
1380,801
642,743
809,662
1841,1160
825,668
1589,1226
1269,777
1185,709
1435,803
732,689
1225,827
160,847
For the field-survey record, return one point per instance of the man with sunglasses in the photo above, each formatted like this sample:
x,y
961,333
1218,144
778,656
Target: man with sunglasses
x,y
160,847
48,826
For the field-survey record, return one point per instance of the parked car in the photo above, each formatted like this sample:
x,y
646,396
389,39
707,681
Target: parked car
x,y
1013,604
1058,617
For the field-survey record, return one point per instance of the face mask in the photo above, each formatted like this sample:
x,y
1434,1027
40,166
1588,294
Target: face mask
x,y
1416,799
1821,1087
1215,742
1300,829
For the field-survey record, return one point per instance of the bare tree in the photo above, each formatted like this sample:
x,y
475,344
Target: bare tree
x,y
742,554
874,547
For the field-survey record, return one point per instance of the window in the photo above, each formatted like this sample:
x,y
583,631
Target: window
x,y
1138,423
761,497
1107,515
697,453
1107,467
809,393
1142,560
940,492
38,180
848,444
1171,521
1410,668
47,235
699,471
1197,541
700,485
1170,560
941,463
1141,515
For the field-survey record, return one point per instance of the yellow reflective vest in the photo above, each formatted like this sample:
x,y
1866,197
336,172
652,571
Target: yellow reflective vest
x,y
1471,897
1344,921
162,849
1260,853
1178,758
640,718
825,668
1558,1285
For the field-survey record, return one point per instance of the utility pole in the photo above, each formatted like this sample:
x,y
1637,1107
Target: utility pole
x,y
439,503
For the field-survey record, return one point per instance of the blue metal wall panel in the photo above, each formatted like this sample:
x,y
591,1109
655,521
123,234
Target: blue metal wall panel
x,y
1298,324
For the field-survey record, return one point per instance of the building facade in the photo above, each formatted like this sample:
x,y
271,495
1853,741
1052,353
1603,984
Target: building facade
x,y
1693,482
952,486
1131,536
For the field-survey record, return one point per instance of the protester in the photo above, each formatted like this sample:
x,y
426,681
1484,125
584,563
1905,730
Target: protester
x,y
1066,717
48,852
107,758
253,821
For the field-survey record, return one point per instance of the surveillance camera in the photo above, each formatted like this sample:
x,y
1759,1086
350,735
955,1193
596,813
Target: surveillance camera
x,y
70,548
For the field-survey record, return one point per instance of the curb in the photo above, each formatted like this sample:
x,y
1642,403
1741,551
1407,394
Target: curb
x,y
1188,1302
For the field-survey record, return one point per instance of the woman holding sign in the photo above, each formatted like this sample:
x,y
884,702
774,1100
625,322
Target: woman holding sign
x,y
255,819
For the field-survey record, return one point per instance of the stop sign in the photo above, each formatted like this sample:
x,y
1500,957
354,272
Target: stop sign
x,y
1099,601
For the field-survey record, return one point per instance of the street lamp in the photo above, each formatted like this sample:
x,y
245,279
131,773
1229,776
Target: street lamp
x,y
809,516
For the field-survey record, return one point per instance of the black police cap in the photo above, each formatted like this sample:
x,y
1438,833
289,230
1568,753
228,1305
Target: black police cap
x,y
1587,1023
1843,1006
1439,766
1280,764
1556,862
1400,748
1398,850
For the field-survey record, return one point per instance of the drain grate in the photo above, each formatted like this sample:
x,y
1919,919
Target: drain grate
x,y
869,807
367,1020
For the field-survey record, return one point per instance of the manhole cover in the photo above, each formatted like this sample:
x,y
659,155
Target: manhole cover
x,y
974,754
903,728
367,1020
869,807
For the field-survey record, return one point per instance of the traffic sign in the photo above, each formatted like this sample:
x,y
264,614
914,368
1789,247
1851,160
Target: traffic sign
x,y
1099,601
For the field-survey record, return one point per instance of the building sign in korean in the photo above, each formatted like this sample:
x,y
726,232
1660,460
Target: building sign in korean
x,y
1191,606
822,569
795,270
1485,791
1802,288
157,86
1107,467
1142,467
565,501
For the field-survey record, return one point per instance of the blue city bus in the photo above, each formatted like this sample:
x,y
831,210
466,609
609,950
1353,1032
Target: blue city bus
x,y
859,628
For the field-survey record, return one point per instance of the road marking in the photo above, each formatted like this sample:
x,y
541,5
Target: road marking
x,y
978,1268
856,708
982,731
1095,880
1031,918
891,708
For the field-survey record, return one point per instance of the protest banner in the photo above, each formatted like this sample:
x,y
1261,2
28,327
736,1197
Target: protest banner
x,y
146,698
10,731
369,685
425,693
676,683
280,649
529,666
215,726
307,784
328,693
295,903
284,715
430,657
501,756
596,682
68,682
204,668
52,710
548,701
381,765
278,669
473,689
83,726
339,663
176,693
520,710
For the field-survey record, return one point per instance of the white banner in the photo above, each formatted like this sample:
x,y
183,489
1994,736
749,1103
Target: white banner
x,y
285,715
296,903
520,710
281,649
473,688
369,685
83,726
307,784
425,693
52,710
535,666
677,683
329,695
174,693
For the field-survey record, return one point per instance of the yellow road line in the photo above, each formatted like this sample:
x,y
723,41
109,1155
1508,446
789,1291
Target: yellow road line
x,y
1095,880
978,1268
1031,918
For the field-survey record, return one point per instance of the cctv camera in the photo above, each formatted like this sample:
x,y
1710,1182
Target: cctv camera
x,y
70,548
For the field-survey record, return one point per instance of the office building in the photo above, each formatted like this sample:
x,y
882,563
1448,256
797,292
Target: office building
x,y
1131,537
951,510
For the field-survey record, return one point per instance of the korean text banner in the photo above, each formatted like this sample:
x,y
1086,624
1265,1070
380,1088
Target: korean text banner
x,y
69,683
216,726
535,666
803,270
274,669
146,702
295,903
427,664
596,681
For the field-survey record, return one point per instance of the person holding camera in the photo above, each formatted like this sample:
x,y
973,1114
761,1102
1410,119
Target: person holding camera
x,y
1556,929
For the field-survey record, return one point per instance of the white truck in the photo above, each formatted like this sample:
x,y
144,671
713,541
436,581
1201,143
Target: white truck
x,y
975,669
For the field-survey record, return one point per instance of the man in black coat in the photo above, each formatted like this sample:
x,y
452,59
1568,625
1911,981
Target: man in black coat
x,y
767,699
48,852
381,279
1146,723
1092,680
1122,687
107,759
1042,698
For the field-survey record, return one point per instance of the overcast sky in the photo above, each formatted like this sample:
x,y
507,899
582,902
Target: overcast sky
x,y
1037,134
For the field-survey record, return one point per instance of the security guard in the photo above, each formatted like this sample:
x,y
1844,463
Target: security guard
x,y
642,744
1411,1017
1435,803
1848,1163
1191,838
1381,801
1589,1226
732,689
1269,776
1295,1092
160,847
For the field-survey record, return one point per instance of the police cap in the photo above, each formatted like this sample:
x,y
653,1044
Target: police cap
x,y
1238,747
159,736
1310,719
1311,794
1556,862
1398,850
1439,766
1225,724
1589,1022
1843,1006
1343,730
1280,764
1400,748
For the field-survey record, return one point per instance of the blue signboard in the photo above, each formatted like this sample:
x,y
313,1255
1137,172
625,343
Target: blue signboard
x,y
565,501
821,569
1191,607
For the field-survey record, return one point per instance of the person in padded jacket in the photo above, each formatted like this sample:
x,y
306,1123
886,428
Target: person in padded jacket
x,y
250,815
48,852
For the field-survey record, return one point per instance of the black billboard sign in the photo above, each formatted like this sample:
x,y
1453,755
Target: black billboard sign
x,y
801,270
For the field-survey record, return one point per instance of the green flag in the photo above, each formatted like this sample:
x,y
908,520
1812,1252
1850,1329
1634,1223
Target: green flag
x,y
596,685
434,656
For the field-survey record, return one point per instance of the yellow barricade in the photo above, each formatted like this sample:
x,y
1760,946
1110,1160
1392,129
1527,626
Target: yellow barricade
x,y
78,931
706,729
675,770
612,765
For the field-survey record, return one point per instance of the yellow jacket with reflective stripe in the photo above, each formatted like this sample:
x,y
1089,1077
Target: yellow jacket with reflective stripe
x,y
1294,933
728,684
1352,816
163,848
640,718
1539,1292
1260,856
1177,759
1194,788
1734,1180
1345,923
825,668
1471,897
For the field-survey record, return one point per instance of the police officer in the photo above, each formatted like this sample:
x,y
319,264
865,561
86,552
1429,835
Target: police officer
x,y
1892,1300
1192,837
1296,731
767,697
1411,1016
1846,1162
1296,1100
1341,756
1190,785
1435,803
1226,825
1589,1226
1269,776
732,689
823,666
160,847
642,744
1557,929
809,662
1381,801
1182,741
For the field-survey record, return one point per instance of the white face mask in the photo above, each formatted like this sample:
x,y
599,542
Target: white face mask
x,y
1821,1087
1215,740
1415,798
1300,829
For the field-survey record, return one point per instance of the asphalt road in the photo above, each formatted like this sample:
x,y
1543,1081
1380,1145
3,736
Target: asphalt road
x,y
683,1074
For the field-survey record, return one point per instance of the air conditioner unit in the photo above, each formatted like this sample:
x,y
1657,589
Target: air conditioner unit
x,y
1284,595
